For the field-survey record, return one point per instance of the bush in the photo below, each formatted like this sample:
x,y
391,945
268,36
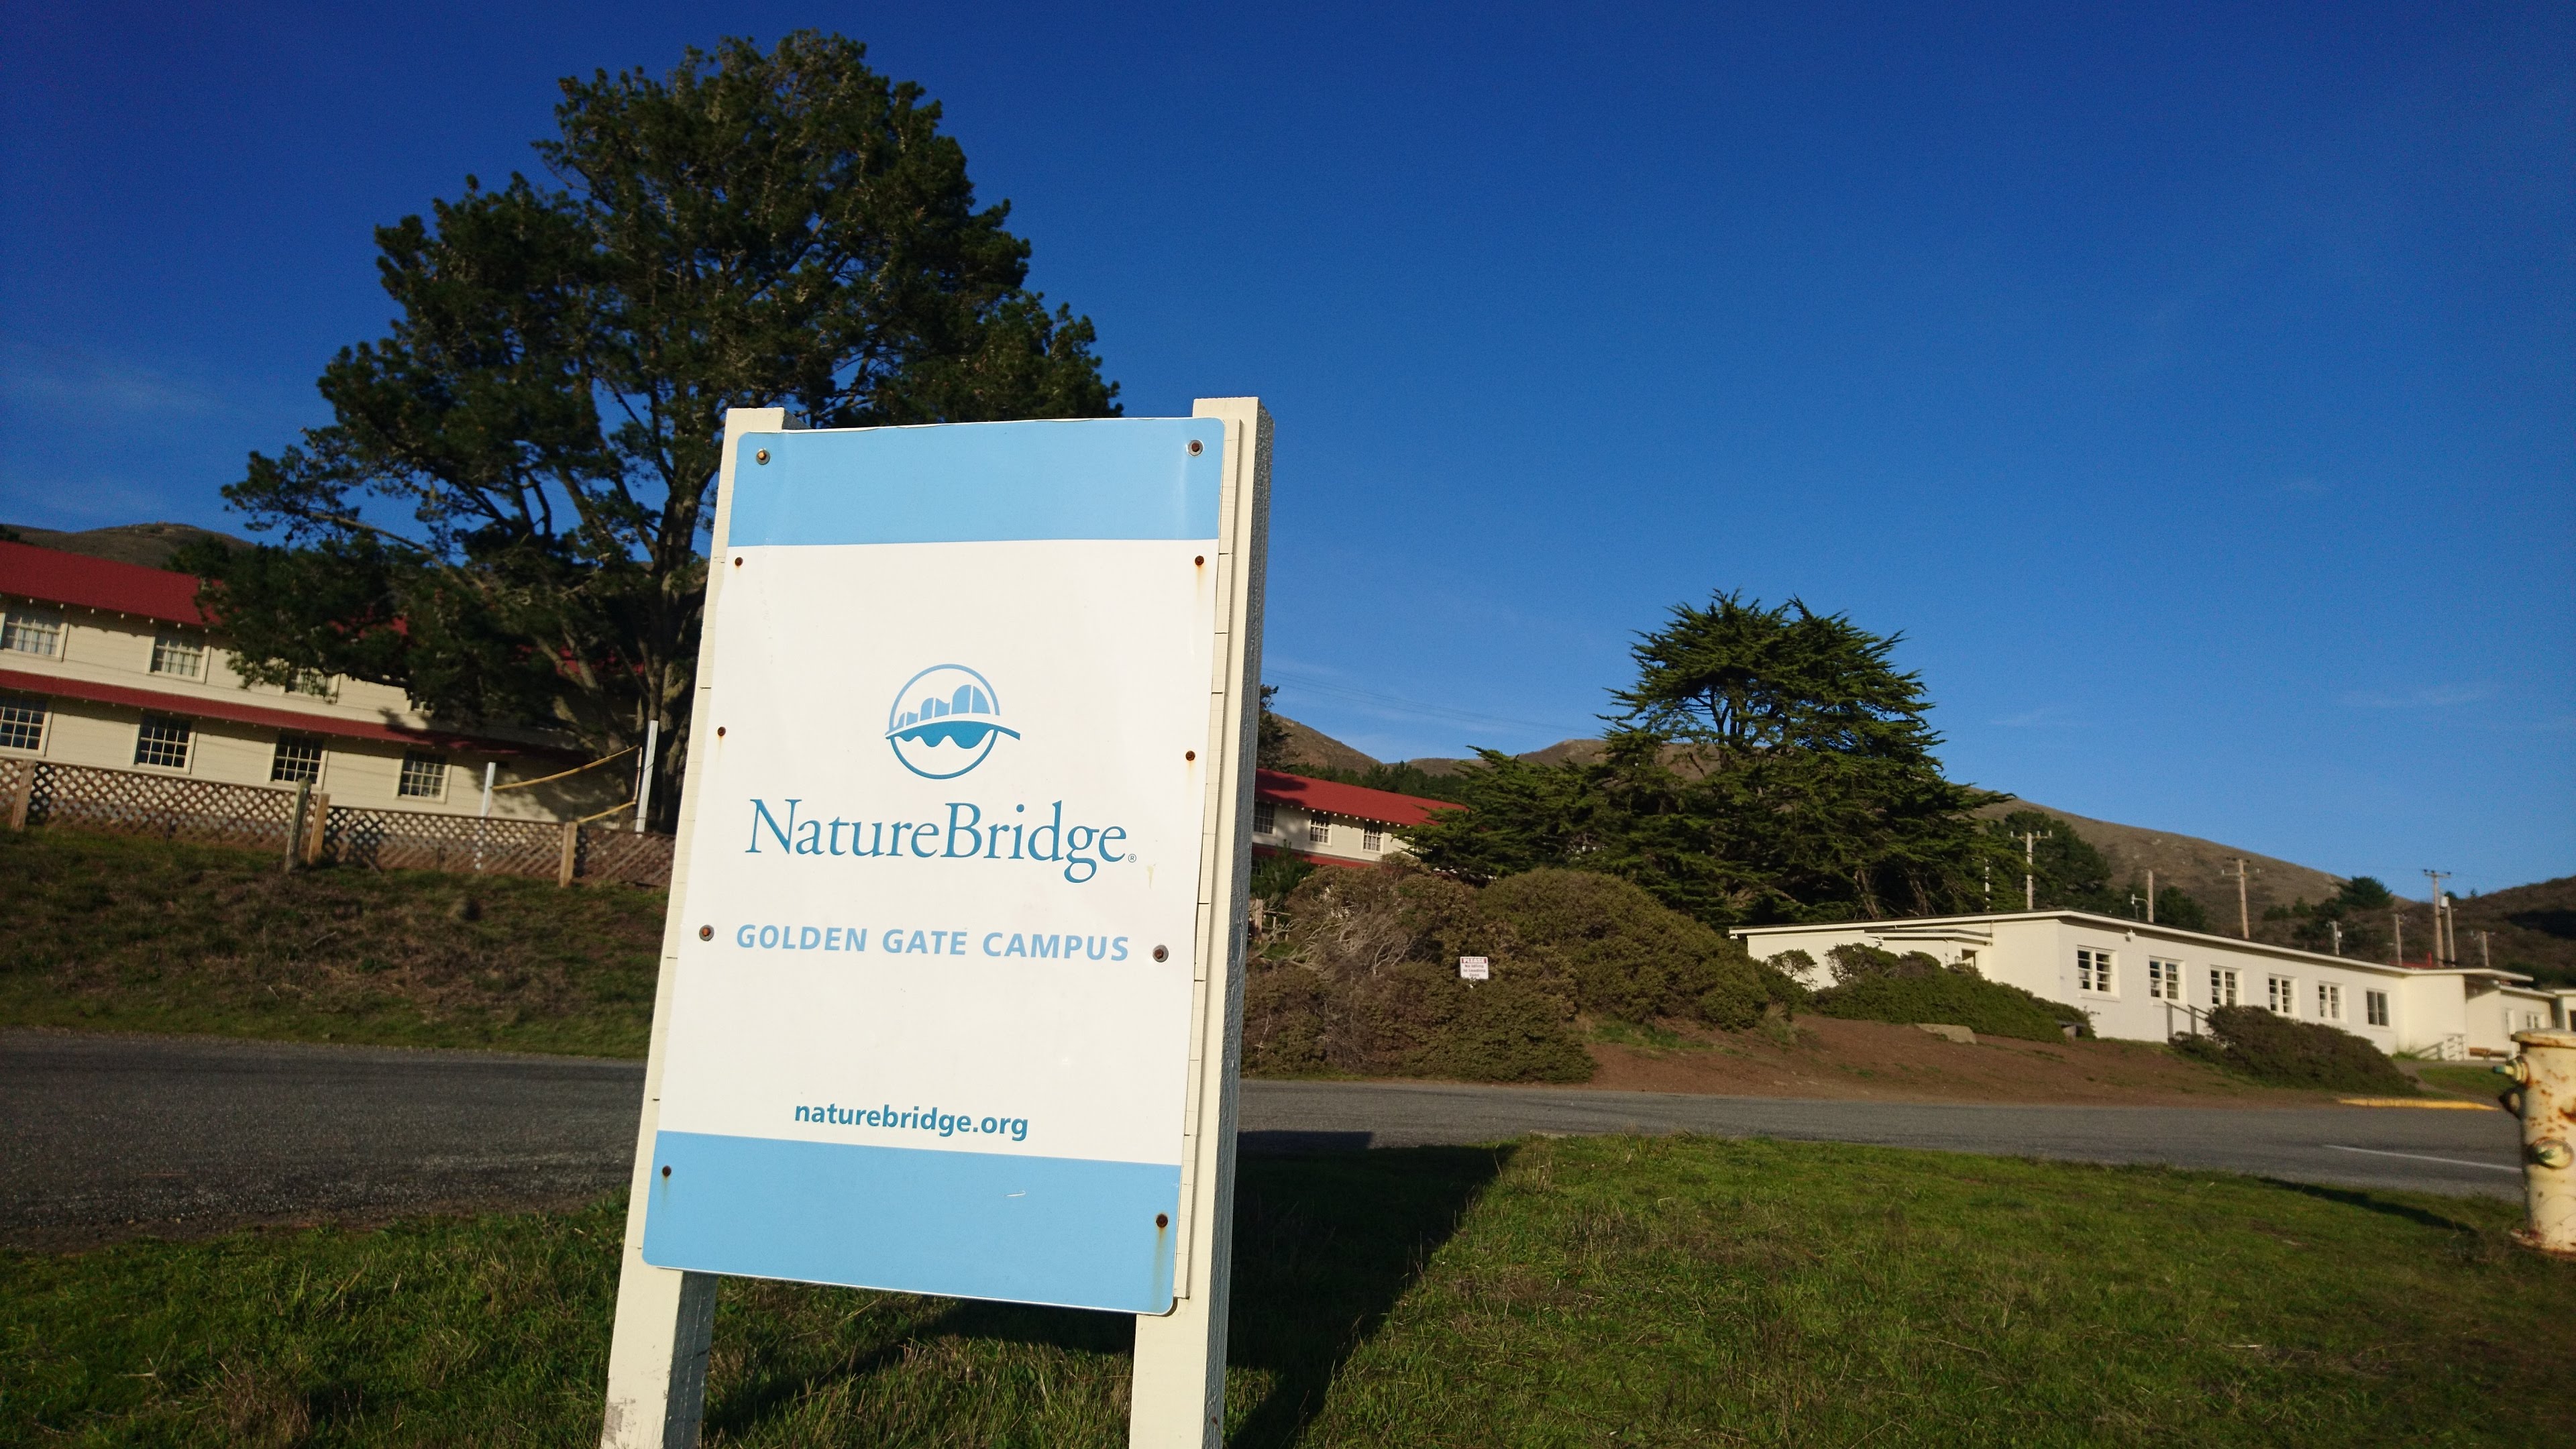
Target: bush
x,y
1625,955
1274,876
1945,995
2255,1043
1365,982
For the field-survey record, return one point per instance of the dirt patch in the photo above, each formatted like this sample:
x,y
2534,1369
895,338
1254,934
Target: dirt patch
x,y
1876,1061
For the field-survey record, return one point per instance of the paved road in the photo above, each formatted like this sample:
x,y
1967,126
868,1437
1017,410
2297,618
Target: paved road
x,y
108,1134
2460,1153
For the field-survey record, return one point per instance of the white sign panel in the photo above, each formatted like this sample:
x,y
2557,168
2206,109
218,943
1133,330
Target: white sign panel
x,y
1475,968
930,1026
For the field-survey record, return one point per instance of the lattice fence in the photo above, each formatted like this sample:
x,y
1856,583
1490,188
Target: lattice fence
x,y
417,840
175,808
608,853
169,806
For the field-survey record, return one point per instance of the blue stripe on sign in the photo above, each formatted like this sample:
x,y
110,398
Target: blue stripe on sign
x,y
1057,1230
981,482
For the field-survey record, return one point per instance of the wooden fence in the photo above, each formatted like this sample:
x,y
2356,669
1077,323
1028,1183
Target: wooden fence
x,y
175,808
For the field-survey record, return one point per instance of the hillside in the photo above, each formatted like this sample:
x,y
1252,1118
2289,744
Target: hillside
x,y
2533,929
2192,863
1312,749
148,544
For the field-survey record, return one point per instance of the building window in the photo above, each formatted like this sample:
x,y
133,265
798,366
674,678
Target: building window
x,y
172,654
2164,980
2282,995
162,742
309,682
32,631
1319,831
424,776
1369,838
2222,987
2093,971
1265,818
2374,1007
22,722
2329,1001
298,761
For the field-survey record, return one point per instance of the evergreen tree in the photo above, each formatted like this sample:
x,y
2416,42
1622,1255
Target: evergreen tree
x,y
506,516
1768,764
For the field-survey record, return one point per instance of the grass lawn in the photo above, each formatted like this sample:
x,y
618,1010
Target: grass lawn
x,y
1564,1292
2473,1081
119,933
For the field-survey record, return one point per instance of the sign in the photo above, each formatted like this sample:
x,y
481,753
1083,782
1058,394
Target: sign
x,y
1475,968
931,1022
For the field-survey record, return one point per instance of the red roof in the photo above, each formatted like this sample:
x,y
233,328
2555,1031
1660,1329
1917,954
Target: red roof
x,y
96,583
242,712
1332,798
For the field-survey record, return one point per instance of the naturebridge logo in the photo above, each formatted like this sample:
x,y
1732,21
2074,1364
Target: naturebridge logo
x,y
944,721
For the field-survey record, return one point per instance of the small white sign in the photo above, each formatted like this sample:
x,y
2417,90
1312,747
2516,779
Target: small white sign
x,y
1475,968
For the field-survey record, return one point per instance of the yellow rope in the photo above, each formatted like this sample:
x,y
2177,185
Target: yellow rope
x,y
611,810
559,774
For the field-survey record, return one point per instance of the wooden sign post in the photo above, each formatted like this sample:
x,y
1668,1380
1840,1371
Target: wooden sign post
x,y
951,986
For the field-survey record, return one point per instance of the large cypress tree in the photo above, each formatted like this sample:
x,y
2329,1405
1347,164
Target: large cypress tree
x,y
506,515
1767,764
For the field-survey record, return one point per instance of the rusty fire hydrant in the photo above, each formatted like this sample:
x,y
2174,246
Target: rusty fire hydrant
x,y
2546,1077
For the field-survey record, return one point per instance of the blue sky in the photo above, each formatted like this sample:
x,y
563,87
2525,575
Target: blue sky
x,y
2194,388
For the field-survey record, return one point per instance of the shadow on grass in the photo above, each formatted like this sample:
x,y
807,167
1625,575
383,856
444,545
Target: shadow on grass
x,y
1325,1244
2368,1202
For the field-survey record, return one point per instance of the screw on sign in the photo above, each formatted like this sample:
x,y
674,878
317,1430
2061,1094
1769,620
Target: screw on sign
x,y
2546,1076
1475,968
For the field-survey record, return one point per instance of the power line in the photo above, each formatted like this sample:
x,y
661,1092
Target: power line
x,y
1420,708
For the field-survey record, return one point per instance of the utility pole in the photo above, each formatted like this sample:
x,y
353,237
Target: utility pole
x,y
2030,840
2151,897
2441,955
2337,928
2486,954
2397,926
2244,911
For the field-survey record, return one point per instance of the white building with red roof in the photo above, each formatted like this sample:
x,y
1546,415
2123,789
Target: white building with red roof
x,y
1330,822
112,665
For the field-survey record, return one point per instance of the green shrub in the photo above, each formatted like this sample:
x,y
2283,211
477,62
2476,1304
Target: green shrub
x,y
1367,985
1274,876
1943,995
1625,955
2255,1043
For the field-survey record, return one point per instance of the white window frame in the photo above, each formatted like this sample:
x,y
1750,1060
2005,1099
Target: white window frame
x,y
2329,1001
2222,986
1319,831
179,657
278,760
1372,838
152,736
23,628
2374,1007
2096,972
15,710
2281,993
2164,979
1265,818
416,764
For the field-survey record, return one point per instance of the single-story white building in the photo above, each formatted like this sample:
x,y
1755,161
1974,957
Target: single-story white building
x,y
2144,982
1329,822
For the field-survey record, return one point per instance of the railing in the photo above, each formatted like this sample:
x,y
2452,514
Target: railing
x,y
39,792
